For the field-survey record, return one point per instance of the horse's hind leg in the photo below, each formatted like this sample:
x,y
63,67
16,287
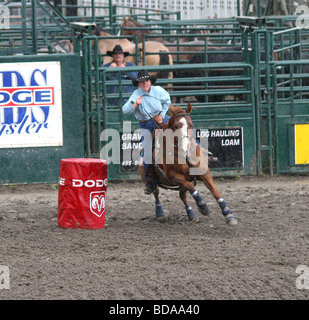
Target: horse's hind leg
x,y
226,211
158,207
191,215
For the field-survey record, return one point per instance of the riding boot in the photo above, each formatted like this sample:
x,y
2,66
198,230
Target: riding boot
x,y
149,187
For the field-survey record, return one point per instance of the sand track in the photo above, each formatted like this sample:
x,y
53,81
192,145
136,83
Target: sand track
x,y
136,257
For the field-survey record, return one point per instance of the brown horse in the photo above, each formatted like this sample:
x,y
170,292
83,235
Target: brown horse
x,y
106,44
179,161
187,47
139,31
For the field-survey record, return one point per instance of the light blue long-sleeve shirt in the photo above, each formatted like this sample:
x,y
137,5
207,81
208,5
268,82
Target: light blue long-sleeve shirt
x,y
154,102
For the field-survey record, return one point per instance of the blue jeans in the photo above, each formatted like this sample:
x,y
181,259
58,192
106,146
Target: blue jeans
x,y
147,149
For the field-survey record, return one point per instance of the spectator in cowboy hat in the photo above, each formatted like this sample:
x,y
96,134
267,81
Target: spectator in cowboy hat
x,y
149,104
118,51
118,56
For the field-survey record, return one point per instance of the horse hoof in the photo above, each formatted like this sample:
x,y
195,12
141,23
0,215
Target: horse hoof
x,y
148,190
195,219
231,220
161,219
205,211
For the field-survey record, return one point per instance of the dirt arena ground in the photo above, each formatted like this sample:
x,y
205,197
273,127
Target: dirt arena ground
x,y
136,257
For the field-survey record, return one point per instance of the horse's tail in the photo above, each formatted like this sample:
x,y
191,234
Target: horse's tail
x,y
96,30
165,59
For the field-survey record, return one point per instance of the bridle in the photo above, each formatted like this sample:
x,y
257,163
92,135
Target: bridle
x,y
191,140
183,115
181,153
183,136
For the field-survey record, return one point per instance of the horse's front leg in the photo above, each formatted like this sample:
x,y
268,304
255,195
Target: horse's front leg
x,y
158,207
203,208
184,186
226,211
191,214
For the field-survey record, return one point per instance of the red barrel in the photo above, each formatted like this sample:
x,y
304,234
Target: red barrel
x,y
82,193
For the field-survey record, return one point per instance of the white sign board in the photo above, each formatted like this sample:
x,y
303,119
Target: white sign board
x,y
30,104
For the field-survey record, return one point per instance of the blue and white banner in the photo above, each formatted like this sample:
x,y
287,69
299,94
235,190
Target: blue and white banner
x,y
30,104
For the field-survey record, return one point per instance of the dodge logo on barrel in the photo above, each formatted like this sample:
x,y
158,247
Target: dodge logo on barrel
x,y
97,202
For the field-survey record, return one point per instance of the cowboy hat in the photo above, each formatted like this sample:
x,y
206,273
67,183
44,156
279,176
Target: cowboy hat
x,y
117,49
142,76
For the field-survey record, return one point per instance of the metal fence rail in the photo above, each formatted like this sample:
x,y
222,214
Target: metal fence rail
x,y
38,25
233,104
266,95
290,81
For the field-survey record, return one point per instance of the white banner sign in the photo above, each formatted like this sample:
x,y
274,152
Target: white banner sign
x,y
30,104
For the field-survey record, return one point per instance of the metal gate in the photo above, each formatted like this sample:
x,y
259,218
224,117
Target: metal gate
x,y
272,86
229,122
281,97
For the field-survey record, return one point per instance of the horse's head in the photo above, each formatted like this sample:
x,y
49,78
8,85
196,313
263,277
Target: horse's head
x,y
177,114
128,23
181,122
131,23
